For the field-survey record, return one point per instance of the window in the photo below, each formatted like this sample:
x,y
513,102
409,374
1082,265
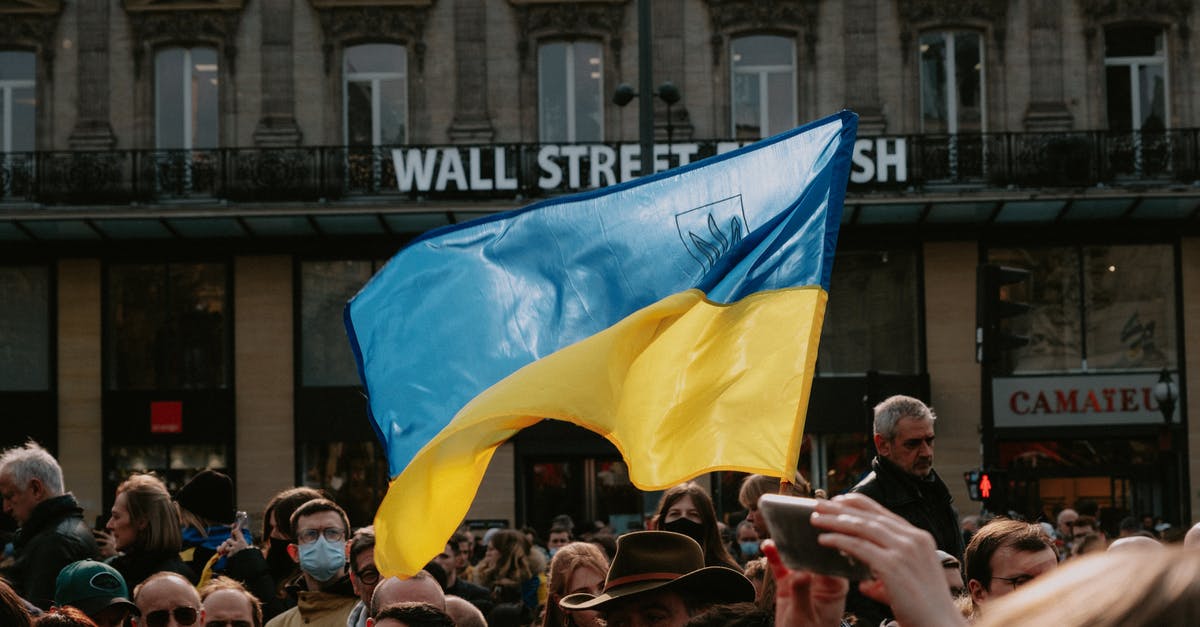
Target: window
x,y
18,103
570,92
167,327
1135,61
1094,308
326,287
185,98
952,87
375,92
871,322
24,328
764,86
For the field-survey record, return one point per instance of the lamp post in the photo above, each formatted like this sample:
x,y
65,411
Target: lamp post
x,y
669,94
1166,394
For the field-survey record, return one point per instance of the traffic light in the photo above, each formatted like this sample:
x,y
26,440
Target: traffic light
x,y
972,478
994,309
993,490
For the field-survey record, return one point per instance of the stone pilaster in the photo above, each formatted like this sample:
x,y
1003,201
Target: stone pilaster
x,y
92,128
1047,111
862,66
471,123
277,126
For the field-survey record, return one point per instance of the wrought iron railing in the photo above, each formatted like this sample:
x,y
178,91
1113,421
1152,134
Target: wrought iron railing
x,y
518,171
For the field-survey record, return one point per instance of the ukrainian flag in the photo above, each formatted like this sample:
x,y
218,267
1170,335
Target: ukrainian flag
x,y
676,315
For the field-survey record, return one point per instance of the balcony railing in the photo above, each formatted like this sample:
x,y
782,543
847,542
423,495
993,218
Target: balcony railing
x,y
519,171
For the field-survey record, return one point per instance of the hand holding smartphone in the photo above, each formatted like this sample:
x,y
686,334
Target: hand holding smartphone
x,y
788,519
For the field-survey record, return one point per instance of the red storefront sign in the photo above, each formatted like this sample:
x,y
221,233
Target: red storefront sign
x,y
166,417
1076,400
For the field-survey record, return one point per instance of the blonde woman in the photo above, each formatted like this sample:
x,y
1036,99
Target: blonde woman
x,y
145,529
507,558
576,567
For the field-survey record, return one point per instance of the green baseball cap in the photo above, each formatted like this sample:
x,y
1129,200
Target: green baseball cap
x,y
91,586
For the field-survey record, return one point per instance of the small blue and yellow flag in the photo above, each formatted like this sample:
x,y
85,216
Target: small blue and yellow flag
x,y
676,315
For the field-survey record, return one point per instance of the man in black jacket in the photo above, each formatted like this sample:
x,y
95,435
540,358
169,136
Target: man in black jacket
x,y
52,533
903,480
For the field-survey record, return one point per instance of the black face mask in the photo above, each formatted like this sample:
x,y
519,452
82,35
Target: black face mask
x,y
687,527
279,563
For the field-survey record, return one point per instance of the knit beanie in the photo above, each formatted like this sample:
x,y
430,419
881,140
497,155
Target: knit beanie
x,y
208,495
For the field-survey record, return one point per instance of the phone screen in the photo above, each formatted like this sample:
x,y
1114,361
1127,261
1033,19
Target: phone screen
x,y
788,518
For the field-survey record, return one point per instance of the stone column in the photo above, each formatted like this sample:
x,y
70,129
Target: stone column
x,y
862,66
92,129
79,384
277,126
1047,112
471,122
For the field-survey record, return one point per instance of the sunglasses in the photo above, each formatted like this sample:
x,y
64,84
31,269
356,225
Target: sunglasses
x,y
183,616
227,623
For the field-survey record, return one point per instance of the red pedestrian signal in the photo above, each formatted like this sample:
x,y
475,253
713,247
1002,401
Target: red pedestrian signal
x,y
985,486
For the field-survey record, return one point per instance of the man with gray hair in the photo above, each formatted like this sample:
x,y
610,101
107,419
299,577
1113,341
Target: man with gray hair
x,y
52,531
902,477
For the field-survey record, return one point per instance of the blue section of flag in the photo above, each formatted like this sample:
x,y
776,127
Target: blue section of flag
x,y
465,306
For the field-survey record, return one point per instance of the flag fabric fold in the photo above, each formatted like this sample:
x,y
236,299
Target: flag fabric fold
x,y
676,315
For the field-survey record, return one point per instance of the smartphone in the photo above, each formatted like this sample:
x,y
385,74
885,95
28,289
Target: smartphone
x,y
789,520
241,520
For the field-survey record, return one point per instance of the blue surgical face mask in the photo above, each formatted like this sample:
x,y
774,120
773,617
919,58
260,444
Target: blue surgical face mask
x,y
322,559
749,548
553,551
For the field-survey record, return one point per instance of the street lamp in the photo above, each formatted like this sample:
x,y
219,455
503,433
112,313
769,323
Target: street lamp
x,y
1166,394
667,92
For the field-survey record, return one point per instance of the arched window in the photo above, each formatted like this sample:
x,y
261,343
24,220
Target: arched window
x,y
18,104
764,85
1135,64
375,94
186,109
952,83
570,92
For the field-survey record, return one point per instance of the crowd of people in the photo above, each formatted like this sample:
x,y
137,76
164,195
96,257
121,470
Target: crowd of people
x,y
190,558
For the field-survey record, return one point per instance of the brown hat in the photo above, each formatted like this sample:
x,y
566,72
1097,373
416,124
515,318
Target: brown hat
x,y
652,560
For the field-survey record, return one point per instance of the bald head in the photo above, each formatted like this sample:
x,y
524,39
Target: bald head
x,y
420,588
1134,543
464,613
1192,539
166,592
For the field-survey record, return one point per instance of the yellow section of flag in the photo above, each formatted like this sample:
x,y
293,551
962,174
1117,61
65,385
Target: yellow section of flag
x,y
682,387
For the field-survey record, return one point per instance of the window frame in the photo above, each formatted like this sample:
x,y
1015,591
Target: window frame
x,y
762,73
1133,64
6,95
188,115
374,79
951,86
570,86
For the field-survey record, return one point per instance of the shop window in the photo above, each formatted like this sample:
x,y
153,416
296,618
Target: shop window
x,y
355,474
1094,309
347,461
24,328
167,327
185,98
872,319
587,489
570,92
18,104
1135,60
764,86
375,100
326,287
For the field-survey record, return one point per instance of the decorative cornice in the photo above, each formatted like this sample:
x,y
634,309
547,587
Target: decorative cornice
x,y
9,7
140,6
1097,13
152,28
539,18
396,21
918,14
735,16
342,4
35,29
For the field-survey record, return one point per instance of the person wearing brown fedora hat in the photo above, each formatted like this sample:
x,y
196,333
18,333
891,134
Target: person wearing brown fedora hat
x,y
659,578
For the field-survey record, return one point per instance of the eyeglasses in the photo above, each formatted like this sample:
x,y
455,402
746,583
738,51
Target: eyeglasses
x,y
332,534
1015,582
183,616
227,623
369,576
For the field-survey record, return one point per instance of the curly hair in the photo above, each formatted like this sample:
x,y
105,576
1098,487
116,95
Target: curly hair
x,y
513,562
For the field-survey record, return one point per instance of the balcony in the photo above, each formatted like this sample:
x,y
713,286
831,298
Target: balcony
x,y
333,174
